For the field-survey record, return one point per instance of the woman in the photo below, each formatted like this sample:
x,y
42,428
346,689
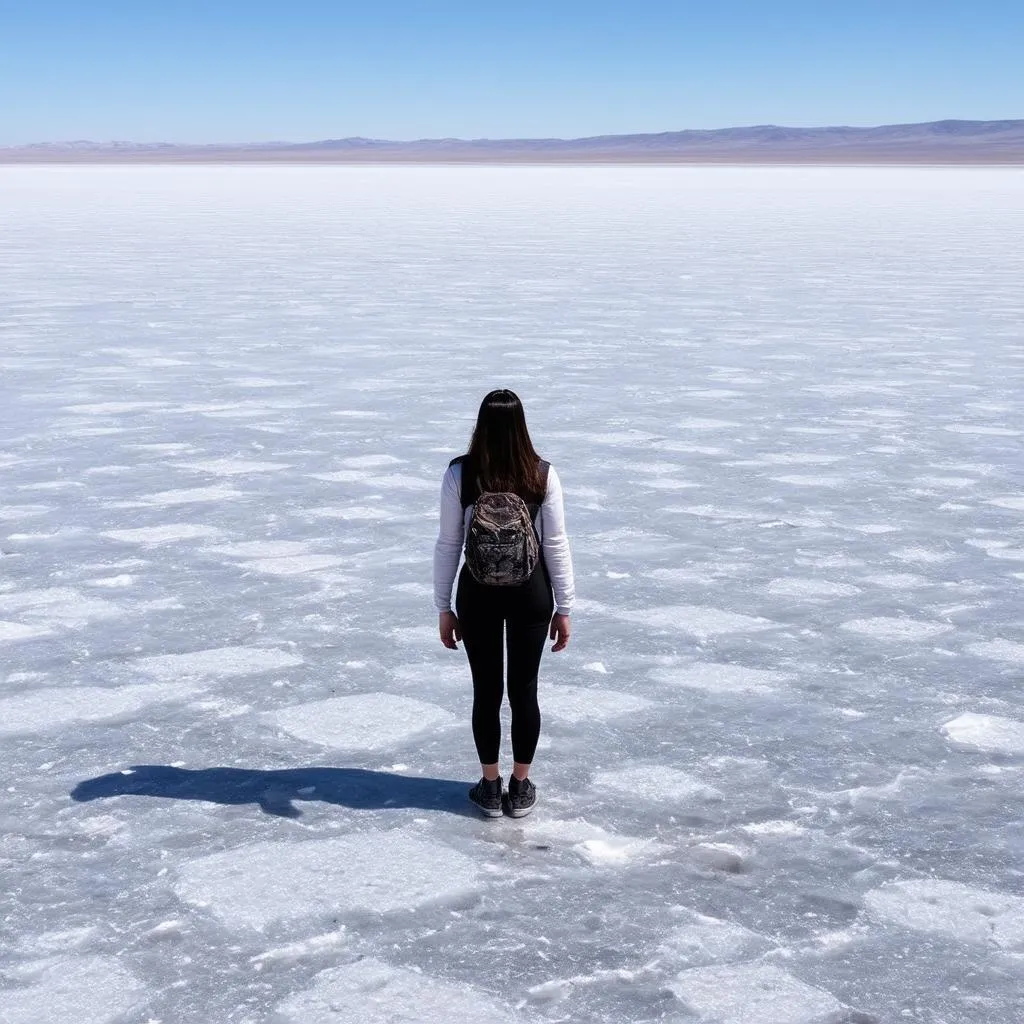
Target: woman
x,y
502,462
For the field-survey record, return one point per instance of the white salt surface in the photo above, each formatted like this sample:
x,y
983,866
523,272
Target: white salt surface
x,y
293,565
50,709
888,628
371,872
231,467
709,940
574,704
995,919
990,733
19,631
665,326
166,534
366,721
716,678
217,662
753,994
999,650
698,621
655,783
72,990
372,992
793,587
262,549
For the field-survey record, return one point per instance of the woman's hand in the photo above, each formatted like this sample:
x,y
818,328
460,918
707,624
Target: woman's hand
x,y
560,631
448,625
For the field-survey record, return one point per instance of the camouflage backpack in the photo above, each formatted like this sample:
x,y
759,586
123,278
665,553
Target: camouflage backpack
x,y
502,547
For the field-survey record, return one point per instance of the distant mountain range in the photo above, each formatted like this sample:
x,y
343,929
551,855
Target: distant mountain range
x,y
952,142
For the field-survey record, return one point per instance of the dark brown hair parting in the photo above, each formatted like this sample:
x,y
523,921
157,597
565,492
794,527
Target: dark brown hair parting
x,y
501,454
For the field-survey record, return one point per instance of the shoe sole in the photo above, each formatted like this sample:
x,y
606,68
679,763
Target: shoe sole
x,y
518,812
487,812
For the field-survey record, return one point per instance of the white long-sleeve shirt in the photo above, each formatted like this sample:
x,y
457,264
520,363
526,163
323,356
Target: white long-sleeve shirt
x,y
550,523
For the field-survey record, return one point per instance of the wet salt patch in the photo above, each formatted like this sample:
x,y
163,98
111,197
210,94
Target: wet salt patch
x,y
810,480
1007,554
926,556
112,408
357,414
937,905
261,549
82,990
58,606
232,467
887,628
753,994
898,580
575,704
810,588
218,662
697,621
365,513
11,631
657,784
712,393
1013,501
371,461
969,428
366,721
999,650
420,636
294,565
708,940
13,512
186,496
717,678
593,844
93,432
374,872
53,708
371,992
166,534
989,733
872,529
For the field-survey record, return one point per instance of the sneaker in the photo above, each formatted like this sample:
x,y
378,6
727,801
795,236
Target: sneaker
x,y
487,797
521,798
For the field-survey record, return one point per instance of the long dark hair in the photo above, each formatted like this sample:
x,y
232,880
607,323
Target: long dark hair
x,y
501,455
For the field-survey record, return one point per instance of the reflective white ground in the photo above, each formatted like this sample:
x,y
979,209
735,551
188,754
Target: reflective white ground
x,y
782,767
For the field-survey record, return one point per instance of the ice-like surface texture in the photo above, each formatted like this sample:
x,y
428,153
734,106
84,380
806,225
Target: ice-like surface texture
x,y
987,732
966,913
371,992
371,871
365,721
785,405
85,990
748,994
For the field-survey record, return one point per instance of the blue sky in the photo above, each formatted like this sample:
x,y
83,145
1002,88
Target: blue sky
x,y
221,70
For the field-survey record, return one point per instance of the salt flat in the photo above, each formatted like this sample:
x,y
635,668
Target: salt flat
x,y
781,766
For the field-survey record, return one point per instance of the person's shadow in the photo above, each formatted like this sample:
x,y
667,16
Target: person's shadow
x,y
275,792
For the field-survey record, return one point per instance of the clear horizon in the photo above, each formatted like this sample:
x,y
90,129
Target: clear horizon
x,y
260,72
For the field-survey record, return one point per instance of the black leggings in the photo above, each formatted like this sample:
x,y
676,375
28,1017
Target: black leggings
x,y
523,613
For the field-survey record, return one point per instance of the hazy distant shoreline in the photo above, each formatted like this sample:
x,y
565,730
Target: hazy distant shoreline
x,y
937,142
